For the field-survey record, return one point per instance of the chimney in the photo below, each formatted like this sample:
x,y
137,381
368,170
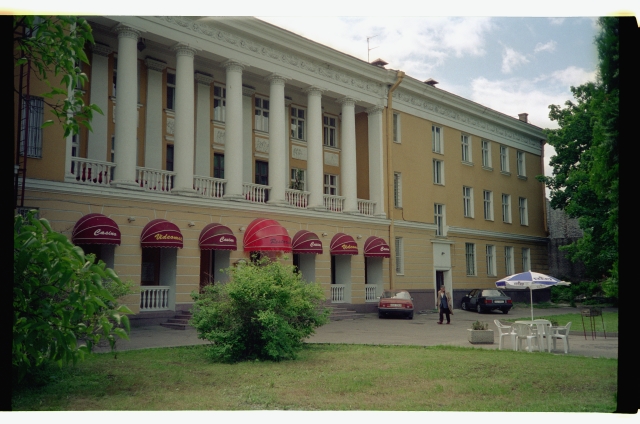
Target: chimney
x,y
379,62
523,117
431,82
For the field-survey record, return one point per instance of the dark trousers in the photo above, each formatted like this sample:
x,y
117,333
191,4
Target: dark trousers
x,y
444,311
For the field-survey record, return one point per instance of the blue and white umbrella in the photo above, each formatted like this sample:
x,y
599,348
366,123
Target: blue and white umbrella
x,y
529,280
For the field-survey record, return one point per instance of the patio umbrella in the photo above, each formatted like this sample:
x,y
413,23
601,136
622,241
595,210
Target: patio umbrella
x,y
530,280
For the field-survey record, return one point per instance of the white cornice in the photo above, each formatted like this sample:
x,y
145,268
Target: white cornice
x,y
494,234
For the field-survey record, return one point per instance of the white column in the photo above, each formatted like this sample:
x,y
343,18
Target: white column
x,y
203,125
376,159
98,138
348,172
126,109
277,146
184,132
153,130
247,134
233,127
315,152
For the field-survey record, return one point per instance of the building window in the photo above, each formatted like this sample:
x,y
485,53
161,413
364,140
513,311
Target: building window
x,y
506,208
298,180
504,159
491,260
524,213
436,137
32,134
470,255
526,259
219,103
488,204
399,256
114,79
218,165
396,128
262,114
466,148
486,154
508,260
438,172
522,171
397,189
330,134
169,161
438,211
467,201
262,173
298,123
331,184
171,91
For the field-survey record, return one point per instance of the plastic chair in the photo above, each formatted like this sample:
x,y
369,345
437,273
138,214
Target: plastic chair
x,y
543,331
503,331
563,334
523,332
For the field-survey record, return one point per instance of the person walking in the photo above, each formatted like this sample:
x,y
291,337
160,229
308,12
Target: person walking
x,y
446,304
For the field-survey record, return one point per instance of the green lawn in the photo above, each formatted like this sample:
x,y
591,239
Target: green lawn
x,y
610,321
332,377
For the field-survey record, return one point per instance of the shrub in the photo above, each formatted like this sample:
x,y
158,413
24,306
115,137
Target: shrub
x,y
264,312
477,325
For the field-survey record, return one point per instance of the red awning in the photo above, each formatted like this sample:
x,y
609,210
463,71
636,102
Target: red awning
x,y
343,244
217,237
306,242
95,228
266,235
161,233
375,247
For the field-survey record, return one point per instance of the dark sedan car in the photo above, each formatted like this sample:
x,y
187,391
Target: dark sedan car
x,y
484,300
395,302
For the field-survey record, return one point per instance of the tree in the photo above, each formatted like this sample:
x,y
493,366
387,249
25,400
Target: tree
x,y
55,46
61,307
585,178
264,312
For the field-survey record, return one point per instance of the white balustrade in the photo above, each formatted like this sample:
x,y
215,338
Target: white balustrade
x,y
366,207
155,179
337,293
333,203
208,186
95,172
255,193
297,198
154,298
371,292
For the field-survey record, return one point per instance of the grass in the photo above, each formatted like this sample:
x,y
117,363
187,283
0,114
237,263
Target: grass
x,y
610,321
331,377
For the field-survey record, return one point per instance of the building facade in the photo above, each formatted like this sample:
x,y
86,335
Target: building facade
x,y
226,136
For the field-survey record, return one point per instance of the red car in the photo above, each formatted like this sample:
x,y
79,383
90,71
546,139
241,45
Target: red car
x,y
395,302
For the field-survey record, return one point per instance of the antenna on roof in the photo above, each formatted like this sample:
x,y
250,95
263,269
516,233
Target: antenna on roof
x,y
369,49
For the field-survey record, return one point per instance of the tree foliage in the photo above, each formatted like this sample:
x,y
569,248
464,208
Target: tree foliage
x,y
61,307
54,47
264,312
585,176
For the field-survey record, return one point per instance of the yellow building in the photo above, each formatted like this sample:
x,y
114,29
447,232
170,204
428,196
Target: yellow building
x,y
225,136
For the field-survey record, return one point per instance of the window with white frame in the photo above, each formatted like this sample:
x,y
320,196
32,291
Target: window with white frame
x,y
524,212
470,256
504,159
438,171
467,201
526,259
508,260
32,133
396,128
262,114
171,91
331,184
399,256
488,204
298,119
298,179
491,260
522,170
219,103
330,133
397,189
466,148
438,211
506,208
486,153
436,137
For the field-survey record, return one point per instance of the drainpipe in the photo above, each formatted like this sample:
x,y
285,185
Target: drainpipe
x,y
390,204
544,193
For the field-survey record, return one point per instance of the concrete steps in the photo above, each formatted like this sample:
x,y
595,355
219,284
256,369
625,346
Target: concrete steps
x,y
179,322
339,313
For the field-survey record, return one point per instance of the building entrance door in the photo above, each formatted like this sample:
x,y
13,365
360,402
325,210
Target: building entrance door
x,y
439,279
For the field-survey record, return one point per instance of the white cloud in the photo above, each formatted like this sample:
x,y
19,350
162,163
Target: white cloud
x,y
549,46
511,59
573,76
556,21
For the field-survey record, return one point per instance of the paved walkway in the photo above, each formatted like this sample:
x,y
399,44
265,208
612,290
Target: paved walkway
x,y
423,330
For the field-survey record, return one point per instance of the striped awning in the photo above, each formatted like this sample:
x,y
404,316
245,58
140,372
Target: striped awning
x,y
306,242
161,233
217,237
375,247
343,244
266,235
95,228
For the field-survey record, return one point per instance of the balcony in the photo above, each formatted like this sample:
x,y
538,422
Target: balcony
x,y
209,187
92,172
255,193
155,179
297,198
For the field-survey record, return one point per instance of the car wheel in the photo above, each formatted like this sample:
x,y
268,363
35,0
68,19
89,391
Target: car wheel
x,y
479,309
464,306
505,311
410,316
380,315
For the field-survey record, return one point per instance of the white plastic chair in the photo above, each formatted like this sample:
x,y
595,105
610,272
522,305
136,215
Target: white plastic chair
x,y
523,332
504,331
543,331
563,334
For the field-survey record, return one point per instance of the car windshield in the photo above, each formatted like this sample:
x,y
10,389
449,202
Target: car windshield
x,y
396,295
492,293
